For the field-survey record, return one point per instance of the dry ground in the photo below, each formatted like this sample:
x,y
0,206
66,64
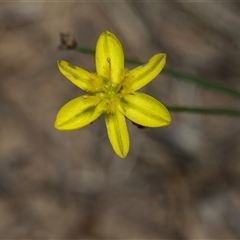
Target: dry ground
x,y
179,182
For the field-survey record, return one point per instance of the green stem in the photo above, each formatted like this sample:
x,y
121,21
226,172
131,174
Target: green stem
x,y
187,77
85,50
177,74
196,80
204,110
202,82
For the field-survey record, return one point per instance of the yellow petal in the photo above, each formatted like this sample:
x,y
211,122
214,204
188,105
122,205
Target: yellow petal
x,y
143,74
109,57
76,75
78,113
118,133
145,110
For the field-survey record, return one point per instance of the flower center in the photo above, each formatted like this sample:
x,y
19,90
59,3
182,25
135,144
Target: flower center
x,y
110,93
110,97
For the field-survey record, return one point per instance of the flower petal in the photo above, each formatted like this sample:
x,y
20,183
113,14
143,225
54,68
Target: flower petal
x,y
145,110
143,74
118,133
78,113
76,75
109,57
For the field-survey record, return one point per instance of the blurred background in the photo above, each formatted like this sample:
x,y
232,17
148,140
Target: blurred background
x,y
178,182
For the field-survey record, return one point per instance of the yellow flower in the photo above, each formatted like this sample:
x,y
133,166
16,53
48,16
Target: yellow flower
x,y
112,91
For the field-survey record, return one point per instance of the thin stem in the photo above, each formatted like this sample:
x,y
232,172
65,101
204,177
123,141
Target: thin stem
x,y
177,74
199,81
204,110
85,50
187,77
